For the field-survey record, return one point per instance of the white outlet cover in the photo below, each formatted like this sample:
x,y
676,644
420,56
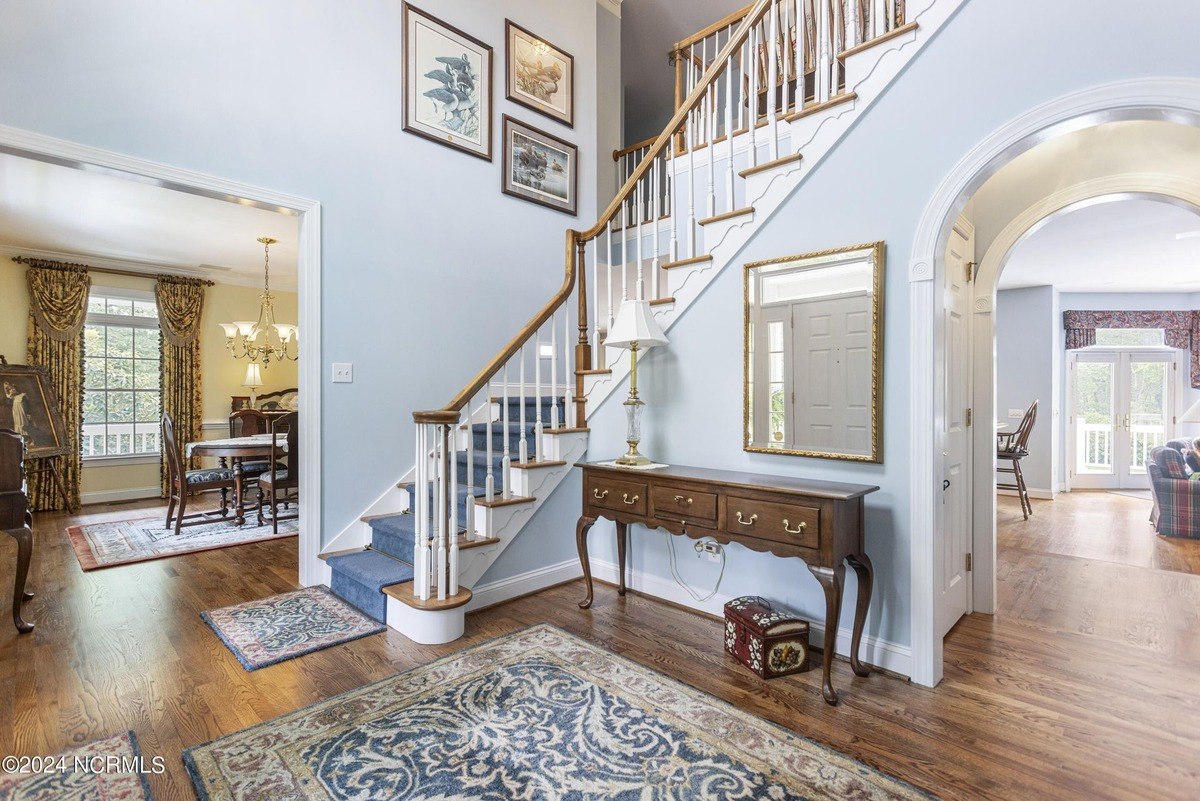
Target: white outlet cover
x,y
343,373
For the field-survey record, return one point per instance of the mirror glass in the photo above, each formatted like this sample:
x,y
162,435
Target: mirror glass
x,y
814,350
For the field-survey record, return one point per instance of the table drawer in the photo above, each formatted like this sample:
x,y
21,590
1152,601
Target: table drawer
x,y
620,496
780,522
677,503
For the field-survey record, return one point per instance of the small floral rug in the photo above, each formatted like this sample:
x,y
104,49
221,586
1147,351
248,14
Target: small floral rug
x,y
270,630
539,714
112,769
120,542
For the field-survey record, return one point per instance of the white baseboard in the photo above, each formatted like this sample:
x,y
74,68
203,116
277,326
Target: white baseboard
x,y
497,592
1040,494
113,496
881,653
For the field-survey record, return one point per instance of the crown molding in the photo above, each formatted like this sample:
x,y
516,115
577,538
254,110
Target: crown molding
x,y
611,6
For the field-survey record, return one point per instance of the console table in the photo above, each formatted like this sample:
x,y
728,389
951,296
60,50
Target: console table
x,y
821,522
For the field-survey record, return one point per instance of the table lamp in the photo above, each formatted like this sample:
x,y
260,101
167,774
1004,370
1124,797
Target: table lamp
x,y
636,329
253,381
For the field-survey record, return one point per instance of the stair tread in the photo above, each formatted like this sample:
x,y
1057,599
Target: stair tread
x,y
662,301
729,215
836,100
532,465
404,594
671,265
502,501
371,569
880,39
770,165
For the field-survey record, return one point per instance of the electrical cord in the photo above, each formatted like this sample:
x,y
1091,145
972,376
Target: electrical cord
x,y
675,570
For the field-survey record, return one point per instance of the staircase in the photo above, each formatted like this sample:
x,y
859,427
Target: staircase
x,y
760,106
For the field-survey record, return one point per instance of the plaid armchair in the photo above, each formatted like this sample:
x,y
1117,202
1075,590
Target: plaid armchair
x,y
1176,499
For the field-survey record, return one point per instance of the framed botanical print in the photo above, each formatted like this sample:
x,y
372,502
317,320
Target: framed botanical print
x,y
540,76
539,167
447,84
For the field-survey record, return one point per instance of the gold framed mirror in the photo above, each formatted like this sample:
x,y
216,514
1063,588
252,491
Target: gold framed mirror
x,y
813,350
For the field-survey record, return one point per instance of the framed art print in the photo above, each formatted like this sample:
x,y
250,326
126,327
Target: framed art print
x,y
447,84
539,167
539,76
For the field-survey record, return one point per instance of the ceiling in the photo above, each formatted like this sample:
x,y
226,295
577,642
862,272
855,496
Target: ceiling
x,y
1115,245
59,212
648,30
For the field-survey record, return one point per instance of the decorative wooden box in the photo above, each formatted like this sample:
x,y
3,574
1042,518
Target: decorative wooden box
x,y
768,641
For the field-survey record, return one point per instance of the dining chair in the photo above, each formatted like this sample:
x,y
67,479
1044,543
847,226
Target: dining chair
x,y
278,478
183,483
247,423
1013,447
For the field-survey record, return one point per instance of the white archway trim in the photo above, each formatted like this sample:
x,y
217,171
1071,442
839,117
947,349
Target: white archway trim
x,y
71,154
1170,99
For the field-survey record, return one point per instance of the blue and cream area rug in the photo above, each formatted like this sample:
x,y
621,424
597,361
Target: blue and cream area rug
x,y
111,769
288,625
121,542
539,714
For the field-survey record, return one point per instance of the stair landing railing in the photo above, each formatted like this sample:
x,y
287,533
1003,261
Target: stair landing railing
x,y
630,252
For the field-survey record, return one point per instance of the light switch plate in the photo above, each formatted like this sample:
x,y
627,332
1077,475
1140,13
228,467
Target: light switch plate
x,y
1016,414
343,373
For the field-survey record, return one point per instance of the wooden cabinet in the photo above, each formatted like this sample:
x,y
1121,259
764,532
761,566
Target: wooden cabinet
x,y
821,522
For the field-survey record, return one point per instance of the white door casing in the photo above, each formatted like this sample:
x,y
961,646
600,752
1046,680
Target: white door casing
x,y
954,580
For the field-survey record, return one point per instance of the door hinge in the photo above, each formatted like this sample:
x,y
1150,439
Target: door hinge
x,y
970,417
970,563
970,271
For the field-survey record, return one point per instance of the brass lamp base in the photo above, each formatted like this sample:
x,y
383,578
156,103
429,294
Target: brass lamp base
x,y
633,458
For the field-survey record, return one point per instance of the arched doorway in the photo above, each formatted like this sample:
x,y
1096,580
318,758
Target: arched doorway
x,y
1176,101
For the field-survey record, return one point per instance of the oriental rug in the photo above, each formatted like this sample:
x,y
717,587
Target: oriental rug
x,y
121,542
111,769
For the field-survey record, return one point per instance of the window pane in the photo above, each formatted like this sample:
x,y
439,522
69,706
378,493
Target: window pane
x,y
120,373
121,307
95,305
120,407
1130,337
775,336
93,340
93,373
145,343
148,405
142,308
93,407
120,341
145,374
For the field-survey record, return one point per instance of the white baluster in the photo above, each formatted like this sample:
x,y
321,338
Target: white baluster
x,y
752,101
654,187
729,126
506,457
420,487
568,411
441,509
638,194
801,27
609,295
670,169
469,507
523,445
537,392
554,417
452,490
489,482
878,21
595,332
691,148
708,109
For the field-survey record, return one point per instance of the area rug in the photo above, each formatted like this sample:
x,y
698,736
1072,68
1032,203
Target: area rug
x,y
111,769
539,714
291,624
120,542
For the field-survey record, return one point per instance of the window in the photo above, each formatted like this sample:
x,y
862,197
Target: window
x,y
122,403
1130,337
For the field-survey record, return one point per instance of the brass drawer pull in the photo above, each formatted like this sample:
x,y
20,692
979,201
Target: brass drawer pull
x,y
598,495
749,522
681,499
797,530
625,498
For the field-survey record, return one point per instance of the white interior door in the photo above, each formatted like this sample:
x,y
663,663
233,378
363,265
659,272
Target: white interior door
x,y
831,349
954,590
1122,407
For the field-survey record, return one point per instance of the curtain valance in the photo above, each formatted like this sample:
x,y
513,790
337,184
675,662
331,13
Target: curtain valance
x,y
1181,329
58,295
180,305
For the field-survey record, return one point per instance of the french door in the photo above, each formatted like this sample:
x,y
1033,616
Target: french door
x,y
1122,407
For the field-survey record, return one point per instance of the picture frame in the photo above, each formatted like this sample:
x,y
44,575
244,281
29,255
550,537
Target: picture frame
x,y
447,84
539,75
29,406
539,167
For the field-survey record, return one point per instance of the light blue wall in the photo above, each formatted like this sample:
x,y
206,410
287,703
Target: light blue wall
x,y
987,66
427,267
1026,345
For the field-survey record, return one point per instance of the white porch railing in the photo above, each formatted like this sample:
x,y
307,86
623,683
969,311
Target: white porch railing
x,y
1094,444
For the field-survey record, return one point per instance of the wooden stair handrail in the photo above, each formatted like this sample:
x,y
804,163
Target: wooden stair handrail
x,y
448,414
704,33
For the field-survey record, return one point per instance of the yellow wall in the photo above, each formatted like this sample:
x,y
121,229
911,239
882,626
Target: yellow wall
x,y
223,375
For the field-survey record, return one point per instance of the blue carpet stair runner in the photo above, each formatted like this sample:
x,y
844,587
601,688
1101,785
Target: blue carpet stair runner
x,y
359,578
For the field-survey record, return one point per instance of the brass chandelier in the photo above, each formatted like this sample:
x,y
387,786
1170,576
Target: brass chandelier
x,y
265,340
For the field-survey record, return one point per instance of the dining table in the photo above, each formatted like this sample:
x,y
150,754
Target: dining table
x,y
232,452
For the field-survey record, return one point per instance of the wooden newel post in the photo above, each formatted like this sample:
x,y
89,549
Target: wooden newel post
x,y
583,348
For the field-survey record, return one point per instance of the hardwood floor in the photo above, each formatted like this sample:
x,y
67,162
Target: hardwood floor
x,y
1086,685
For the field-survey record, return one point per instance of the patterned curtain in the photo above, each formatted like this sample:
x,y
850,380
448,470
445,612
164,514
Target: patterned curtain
x,y
1181,329
58,297
180,304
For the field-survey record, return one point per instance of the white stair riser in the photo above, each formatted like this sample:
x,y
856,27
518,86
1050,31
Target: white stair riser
x,y
424,626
